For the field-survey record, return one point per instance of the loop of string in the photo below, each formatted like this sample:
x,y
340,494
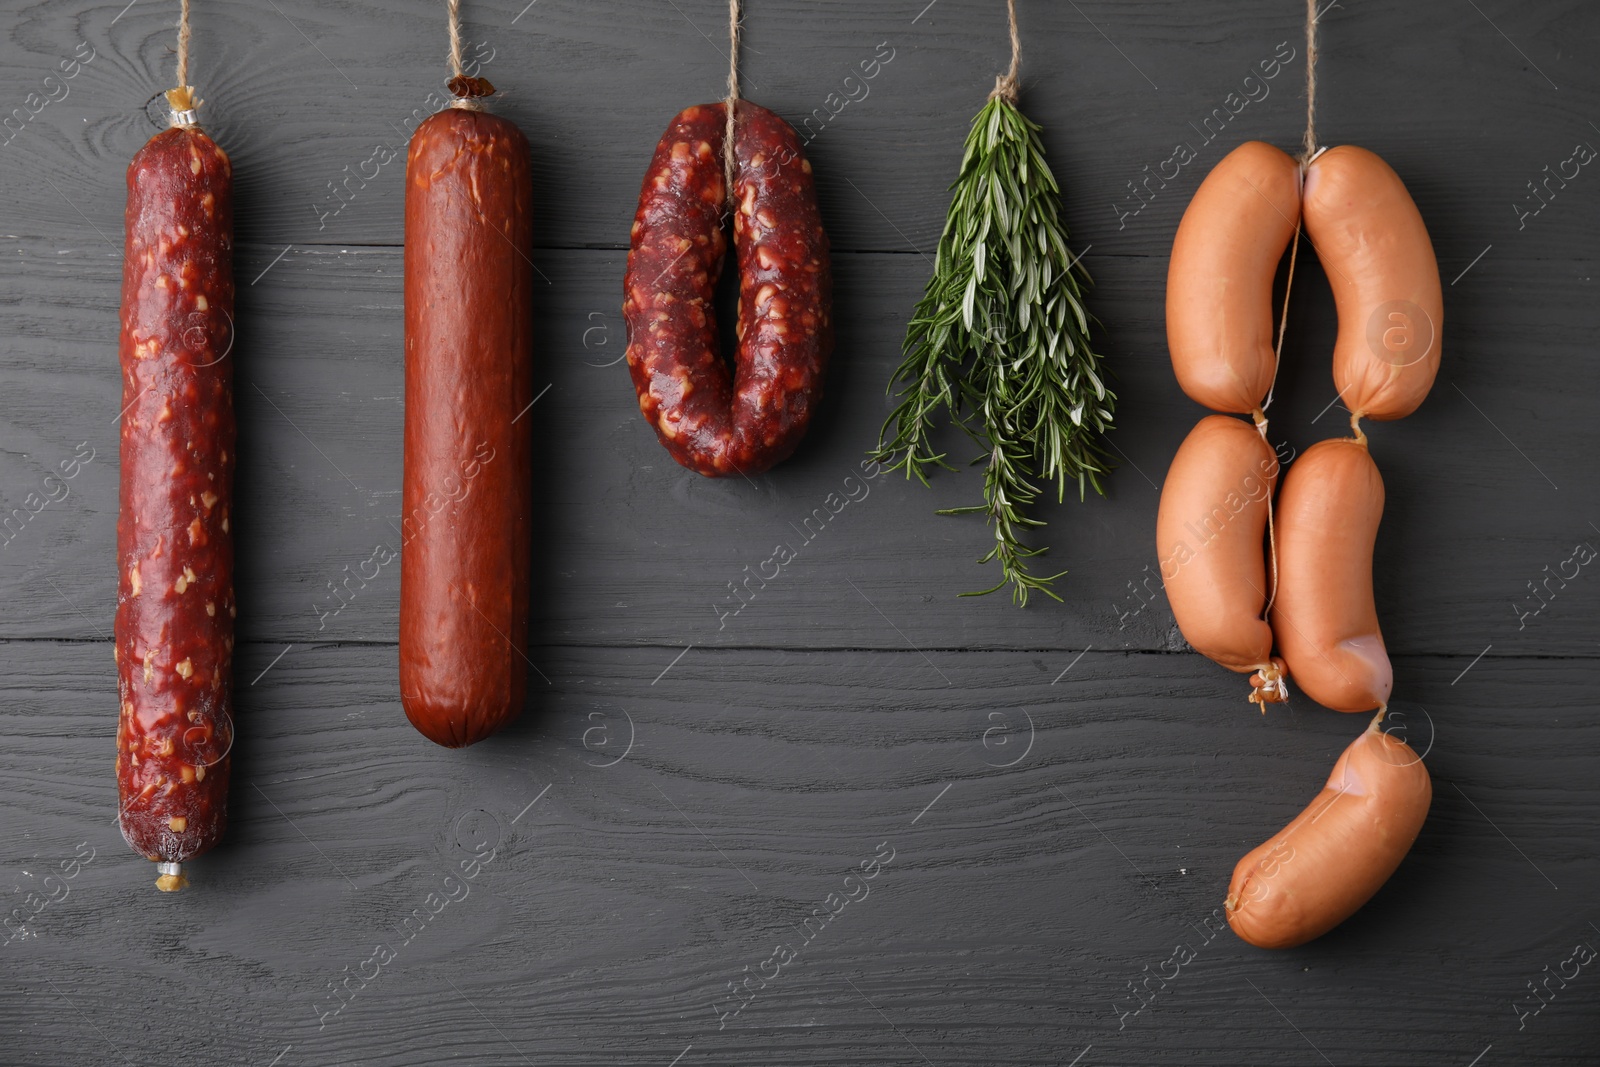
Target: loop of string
x,y
1272,531
1309,153
730,158
182,99
462,88
1005,85
1283,318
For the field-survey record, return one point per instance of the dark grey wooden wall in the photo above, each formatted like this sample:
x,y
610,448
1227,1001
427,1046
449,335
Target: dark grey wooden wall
x,y
1064,790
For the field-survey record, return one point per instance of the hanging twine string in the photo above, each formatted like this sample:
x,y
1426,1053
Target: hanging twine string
x,y
730,158
1272,532
1272,687
468,92
1005,85
1309,152
455,37
1260,416
183,43
1310,147
182,99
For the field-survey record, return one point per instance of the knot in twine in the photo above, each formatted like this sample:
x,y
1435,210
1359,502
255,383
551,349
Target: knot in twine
x,y
1006,85
468,91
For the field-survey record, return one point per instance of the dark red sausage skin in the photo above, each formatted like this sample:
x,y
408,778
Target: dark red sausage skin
x,y
707,421
466,531
175,606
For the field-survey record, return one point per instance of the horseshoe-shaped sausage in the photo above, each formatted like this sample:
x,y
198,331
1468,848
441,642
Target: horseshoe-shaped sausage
x,y
713,422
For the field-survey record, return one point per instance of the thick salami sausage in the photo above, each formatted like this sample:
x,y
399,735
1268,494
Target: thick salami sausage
x,y
466,537
712,422
175,606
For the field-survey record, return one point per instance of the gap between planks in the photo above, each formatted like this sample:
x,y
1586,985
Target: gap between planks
x,y
274,642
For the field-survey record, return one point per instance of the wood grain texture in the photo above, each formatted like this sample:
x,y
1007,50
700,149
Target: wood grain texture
x,y
699,785
663,858
623,555
1435,89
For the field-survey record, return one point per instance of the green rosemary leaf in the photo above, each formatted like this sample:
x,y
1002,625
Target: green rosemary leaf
x,y
999,345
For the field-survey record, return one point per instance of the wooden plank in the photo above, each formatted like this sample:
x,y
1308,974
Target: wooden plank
x,y
1066,790
634,549
687,822
306,97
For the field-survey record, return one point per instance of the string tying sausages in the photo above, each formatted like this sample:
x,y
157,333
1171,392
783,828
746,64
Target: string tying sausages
x,y
1309,144
1273,687
1320,616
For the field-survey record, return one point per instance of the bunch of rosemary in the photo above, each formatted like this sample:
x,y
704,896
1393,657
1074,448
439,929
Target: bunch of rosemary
x,y
1000,341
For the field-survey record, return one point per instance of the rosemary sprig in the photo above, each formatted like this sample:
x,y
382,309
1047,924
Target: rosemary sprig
x,y
1000,341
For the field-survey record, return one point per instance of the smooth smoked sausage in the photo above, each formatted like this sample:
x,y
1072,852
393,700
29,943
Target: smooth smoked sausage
x,y
175,605
712,422
1323,615
1385,280
1209,539
1219,281
1314,873
466,537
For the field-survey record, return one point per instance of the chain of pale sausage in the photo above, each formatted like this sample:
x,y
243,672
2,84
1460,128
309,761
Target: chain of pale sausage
x,y
1369,236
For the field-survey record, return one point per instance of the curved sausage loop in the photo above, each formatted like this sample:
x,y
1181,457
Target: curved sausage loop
x,y
711,422
1385,280
1219,280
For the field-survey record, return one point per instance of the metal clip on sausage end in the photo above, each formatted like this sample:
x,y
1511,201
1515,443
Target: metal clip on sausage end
x,y
184,105
172,878
469,92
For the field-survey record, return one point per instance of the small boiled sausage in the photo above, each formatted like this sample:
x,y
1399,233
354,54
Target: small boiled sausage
x,y
1380,264
1219,281
712,422
1209,533
1314,873
1324,615
466,545
175,606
